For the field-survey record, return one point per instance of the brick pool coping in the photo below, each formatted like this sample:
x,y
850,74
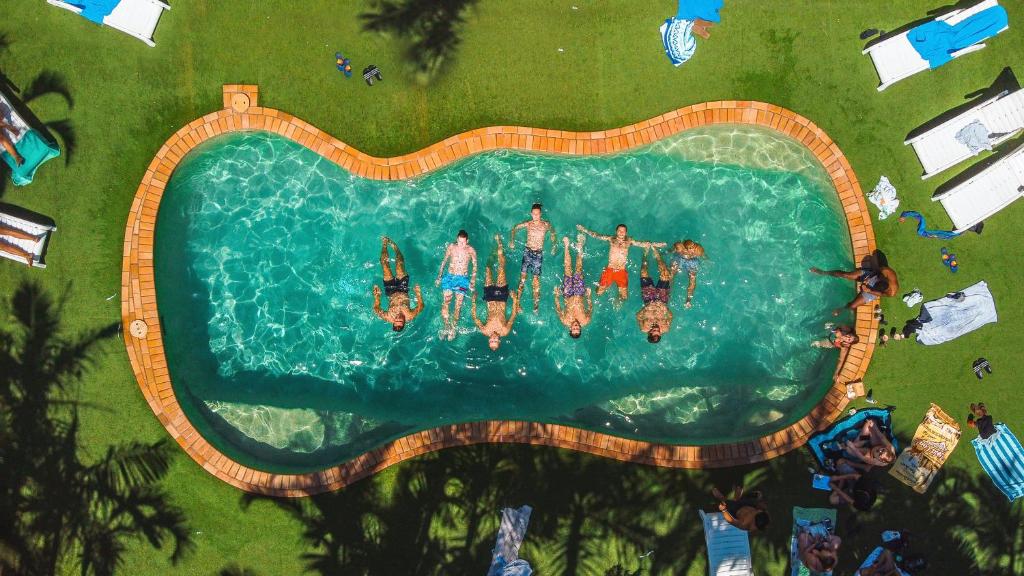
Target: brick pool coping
x,y
241,112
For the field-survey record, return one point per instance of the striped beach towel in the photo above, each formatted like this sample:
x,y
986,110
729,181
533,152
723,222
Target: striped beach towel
x,y
1002,457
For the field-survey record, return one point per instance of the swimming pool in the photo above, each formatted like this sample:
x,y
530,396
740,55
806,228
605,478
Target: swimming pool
x,y
266,253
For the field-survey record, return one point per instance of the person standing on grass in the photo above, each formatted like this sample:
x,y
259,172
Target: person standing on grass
x,y
496,295
533,254
456,281
396,288
618,257
575,314
872,283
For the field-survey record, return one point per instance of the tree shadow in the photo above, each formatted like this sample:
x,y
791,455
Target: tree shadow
x,y
62,509
431,30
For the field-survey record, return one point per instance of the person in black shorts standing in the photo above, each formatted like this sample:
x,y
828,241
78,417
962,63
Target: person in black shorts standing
x,y
396,288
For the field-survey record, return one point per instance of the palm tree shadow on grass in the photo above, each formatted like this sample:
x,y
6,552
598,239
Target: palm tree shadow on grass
x,y
59,509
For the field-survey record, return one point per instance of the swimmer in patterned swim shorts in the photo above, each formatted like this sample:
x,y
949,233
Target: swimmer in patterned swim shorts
x,y
533,255
654,318
618,257
575,315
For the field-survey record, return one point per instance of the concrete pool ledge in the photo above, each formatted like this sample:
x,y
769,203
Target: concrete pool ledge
x,y
144,340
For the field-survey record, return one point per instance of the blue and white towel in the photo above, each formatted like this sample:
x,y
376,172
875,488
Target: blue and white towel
x,y
1002,457
677,37
703,9
884,197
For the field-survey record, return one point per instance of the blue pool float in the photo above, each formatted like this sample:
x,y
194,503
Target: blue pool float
x,y
827,444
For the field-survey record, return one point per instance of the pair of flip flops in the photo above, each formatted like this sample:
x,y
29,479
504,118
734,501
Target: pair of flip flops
x,y
949,260
981,366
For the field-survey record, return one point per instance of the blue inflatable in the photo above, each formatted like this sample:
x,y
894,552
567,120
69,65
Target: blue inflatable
x,y
827,445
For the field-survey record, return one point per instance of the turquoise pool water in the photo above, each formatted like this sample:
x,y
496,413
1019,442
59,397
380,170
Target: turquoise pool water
x,y
266,255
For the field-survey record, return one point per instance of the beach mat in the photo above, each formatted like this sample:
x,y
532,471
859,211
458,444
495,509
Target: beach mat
x,y
1002,457
935,439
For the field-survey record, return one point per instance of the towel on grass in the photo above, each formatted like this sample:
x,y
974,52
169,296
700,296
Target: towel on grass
x,y
924,232
1002,458
818,521
936,41
951,316
677,38
884,197
702,9
935,439
95,10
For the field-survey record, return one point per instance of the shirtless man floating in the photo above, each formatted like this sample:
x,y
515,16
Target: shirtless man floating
x,y
654,318
575,315
456,280
533,255
686,255
396,288
496,295
618,256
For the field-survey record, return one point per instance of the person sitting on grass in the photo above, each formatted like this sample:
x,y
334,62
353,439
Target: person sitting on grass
x,y
852,489
980,419
818,552
686,255
841,337
496,294
574,314
745,511
396,288
871,447
873,282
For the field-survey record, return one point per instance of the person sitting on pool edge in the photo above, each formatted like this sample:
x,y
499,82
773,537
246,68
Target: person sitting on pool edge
x,y
396,288
686,255
533,254
874,281
618,257
456,281
575,314
496,295
654,318
841,337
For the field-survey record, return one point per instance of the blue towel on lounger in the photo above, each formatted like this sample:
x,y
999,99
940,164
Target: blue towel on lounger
x,y
703,9
96,10
935,41
1002,457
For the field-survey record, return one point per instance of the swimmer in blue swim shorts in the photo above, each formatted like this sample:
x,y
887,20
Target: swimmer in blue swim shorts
x,y
686,256
456,281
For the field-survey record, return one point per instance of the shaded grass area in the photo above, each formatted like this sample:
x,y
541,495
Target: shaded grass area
x,y
441,509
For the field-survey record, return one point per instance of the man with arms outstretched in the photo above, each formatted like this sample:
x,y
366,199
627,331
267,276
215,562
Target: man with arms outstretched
x,y
575,314
456,281
533,255
396,288
496,295
618,256
654,318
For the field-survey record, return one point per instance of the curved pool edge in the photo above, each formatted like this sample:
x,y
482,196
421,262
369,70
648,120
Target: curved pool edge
x,y
240,112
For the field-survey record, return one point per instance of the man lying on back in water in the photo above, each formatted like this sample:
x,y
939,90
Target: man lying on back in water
x,y
575,315
496,295
396,288
456,281
618,257
533,254
654,318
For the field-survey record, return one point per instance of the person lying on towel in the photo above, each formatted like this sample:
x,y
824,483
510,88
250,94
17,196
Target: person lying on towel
x,y
871,447
8,144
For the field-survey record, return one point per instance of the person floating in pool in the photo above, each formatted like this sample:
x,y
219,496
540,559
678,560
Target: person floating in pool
x,y
396,288
618,256
686,256
575,314
873,281
533,254
456,281
654,318
496,295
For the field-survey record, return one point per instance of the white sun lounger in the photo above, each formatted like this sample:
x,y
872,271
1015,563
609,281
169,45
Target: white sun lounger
x,y
728,547
895,58
985,193
939,149
136,18
37,247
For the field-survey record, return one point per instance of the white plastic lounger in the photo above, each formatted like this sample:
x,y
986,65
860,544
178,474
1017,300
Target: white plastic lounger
x,y
728,547
938,148
11,247
986,193
136,18
895,58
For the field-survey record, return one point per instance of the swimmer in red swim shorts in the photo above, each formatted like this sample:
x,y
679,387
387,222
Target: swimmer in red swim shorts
x,y
618,257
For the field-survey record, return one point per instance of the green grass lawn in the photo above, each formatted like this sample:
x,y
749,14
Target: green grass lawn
x,y
437,514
